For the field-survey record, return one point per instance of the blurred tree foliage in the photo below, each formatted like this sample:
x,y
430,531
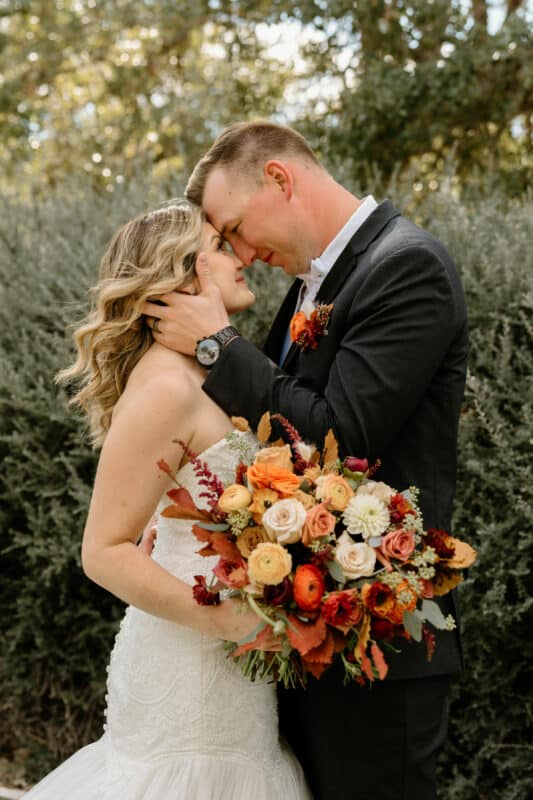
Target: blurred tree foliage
x,y
87,85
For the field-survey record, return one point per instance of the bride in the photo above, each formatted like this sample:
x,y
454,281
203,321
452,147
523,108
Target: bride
x,y
181,721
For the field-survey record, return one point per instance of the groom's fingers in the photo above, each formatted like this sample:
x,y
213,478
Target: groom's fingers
x,y
203,274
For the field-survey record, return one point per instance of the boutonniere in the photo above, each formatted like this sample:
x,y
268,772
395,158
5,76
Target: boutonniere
x,y
308,324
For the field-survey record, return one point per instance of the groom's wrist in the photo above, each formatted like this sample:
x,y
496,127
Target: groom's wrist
x,y
209,348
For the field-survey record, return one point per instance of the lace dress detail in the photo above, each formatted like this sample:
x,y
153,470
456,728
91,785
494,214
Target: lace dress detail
x,y
181,720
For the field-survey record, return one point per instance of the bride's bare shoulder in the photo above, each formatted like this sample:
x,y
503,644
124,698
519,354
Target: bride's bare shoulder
x,y
161,381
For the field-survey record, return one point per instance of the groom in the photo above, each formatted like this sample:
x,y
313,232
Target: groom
x,y
387,377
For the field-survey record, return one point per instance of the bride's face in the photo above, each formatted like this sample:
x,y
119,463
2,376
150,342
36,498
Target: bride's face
x,y
227,271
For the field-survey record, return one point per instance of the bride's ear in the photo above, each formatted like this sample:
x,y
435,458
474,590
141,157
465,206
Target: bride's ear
x,y
278,174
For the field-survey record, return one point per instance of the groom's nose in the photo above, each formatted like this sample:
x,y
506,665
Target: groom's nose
x,y
245,252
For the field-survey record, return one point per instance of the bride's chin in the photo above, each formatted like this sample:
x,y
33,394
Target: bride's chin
x,y
242,305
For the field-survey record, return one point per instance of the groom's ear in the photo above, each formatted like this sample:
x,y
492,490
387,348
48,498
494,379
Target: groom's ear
x,y
278,174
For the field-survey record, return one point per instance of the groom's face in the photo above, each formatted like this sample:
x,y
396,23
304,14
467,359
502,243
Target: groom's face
x,y
257,219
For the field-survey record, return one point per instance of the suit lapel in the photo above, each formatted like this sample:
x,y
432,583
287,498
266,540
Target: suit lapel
x,y
347,261
276,334
333,282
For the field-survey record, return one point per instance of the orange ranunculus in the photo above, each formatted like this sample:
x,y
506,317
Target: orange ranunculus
x,y
308,587
261,500
267,476
298,323
233,498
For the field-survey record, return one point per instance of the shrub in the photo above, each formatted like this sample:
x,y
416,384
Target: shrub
x,y
58,628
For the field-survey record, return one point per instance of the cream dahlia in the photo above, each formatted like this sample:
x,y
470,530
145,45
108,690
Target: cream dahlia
x,y
367,515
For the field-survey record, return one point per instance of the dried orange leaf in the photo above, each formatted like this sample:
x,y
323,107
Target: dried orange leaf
x,y
264,429
464,555
182,512
445,581
322,653
379,660
364,634
331,450
240,423
304,636
366,666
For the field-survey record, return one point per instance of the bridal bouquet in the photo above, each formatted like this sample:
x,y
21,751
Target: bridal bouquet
x,y
334,563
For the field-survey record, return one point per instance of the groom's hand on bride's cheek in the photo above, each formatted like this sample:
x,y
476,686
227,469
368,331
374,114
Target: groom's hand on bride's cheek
x,y
184,319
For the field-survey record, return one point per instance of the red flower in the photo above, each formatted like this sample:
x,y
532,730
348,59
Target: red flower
x,y
343,609
441,542
308,587
382,629
305,331
399,507
279,594
202,594
232,573
355,464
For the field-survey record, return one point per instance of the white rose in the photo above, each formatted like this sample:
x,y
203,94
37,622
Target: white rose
x,y
284,520
356,559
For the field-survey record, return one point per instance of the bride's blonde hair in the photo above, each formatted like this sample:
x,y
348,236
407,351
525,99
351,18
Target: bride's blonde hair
x,y
151,255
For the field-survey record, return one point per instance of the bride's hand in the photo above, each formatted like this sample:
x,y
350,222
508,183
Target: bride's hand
x,y
236,622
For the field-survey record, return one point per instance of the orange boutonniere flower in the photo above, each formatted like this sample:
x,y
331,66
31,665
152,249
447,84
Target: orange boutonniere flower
x,y
306,330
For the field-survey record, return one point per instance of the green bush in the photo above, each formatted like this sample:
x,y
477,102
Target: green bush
x,y
57,627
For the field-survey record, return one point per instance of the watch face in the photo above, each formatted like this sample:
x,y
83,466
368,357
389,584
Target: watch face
x,y
207,352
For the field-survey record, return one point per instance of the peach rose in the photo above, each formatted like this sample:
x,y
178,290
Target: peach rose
x,y
335,490
234,498
284,521
318,522
398,544
269,563
268,476
261,500
248,540
377,489
275,456
354,558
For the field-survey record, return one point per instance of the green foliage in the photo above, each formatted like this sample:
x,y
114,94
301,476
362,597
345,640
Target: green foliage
x,y
96,85
57,628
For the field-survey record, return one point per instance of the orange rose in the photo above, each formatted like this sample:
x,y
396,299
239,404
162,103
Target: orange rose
x,y
298,323
267,476
318,522
276,457
262,499
335,490
248,540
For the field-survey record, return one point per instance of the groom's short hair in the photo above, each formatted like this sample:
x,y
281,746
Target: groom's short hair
x,y
245,146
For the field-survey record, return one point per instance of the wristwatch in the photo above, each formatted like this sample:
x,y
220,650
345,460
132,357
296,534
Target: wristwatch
x,y
209,348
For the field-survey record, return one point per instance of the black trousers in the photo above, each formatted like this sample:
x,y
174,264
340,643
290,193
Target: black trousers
x,y
375,743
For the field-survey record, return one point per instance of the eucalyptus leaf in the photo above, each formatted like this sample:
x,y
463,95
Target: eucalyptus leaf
x,y
375,541
433,614
413,625
213,526
251,636
335,570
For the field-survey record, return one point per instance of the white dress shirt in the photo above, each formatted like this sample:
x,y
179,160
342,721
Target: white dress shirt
x,y
319,267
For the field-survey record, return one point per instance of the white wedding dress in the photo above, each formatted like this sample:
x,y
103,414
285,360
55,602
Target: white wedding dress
x,y
182,723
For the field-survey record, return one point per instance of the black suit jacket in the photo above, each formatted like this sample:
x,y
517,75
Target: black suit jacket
x,y
388,377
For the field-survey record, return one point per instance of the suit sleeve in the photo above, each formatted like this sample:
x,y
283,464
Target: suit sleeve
x,y
398,328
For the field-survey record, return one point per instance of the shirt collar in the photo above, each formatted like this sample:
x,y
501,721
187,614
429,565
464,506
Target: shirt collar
x,y
320,266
